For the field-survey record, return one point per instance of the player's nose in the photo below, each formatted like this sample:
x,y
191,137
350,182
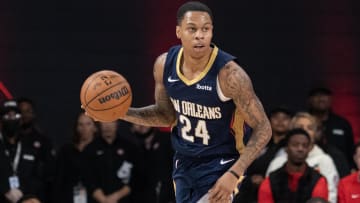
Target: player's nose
x,y
199,34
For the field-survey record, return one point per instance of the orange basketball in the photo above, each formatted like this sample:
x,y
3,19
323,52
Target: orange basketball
x,y
106,96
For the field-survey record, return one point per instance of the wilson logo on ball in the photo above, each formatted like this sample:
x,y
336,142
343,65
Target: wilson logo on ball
x,y
106,96
115,95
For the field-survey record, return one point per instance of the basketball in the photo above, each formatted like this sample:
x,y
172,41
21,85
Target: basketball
x,y
106,96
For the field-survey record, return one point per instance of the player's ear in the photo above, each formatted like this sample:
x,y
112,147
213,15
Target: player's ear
x,y
178,32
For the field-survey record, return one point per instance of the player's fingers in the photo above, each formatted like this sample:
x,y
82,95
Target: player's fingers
x,y
213,192
218,196
224,196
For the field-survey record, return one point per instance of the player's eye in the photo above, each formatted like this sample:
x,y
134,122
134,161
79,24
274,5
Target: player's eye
x,y
192,29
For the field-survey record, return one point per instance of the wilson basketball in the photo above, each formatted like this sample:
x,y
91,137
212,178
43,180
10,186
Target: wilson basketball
x,y
106,96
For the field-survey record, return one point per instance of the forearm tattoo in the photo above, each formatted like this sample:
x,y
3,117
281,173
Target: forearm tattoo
x,y
239,87
161,114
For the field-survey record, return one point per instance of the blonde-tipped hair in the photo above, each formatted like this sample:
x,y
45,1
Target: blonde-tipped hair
x,y
303,114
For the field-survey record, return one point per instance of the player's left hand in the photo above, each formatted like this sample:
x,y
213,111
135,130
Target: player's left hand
x,y
223,189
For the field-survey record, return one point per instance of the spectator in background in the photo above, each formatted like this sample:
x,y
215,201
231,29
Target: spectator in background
x,y
116,166
316,158
337,129
28,119
295,181
157,152
32,133
22,170
280,118
349,186
338,156
73,162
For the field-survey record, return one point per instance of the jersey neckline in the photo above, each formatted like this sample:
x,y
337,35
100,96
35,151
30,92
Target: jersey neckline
x,y
202,74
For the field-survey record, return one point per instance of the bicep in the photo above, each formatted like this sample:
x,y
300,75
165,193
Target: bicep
x,y
236,84
162,99
158,72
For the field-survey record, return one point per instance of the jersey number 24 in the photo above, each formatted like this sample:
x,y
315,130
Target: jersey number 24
x,y
200,130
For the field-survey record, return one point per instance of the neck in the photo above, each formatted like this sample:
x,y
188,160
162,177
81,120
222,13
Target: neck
x,y
295,167
196,63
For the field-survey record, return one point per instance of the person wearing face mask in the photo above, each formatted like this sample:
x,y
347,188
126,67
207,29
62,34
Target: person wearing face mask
x,y
21,171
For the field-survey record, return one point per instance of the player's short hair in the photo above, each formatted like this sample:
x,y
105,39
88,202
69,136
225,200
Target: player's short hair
x,y
192,6
296,131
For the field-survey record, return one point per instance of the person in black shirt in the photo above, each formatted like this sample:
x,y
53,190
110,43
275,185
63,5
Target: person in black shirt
x,y
31,132
335,153
21,165
72,166
158,162
337,130
115,166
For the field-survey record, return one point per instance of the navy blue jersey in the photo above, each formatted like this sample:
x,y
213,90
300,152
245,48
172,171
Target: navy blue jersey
x,y
205,116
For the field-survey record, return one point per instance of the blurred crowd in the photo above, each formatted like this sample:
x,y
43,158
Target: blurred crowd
x,y
312,157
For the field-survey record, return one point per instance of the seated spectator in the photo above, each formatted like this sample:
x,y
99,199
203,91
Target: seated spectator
x,y
316,158
116,166
338,156
279,119
295,181
349,186
337,129
72,164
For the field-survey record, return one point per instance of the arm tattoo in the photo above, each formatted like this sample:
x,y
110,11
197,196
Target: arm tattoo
x,y
238,86
161,113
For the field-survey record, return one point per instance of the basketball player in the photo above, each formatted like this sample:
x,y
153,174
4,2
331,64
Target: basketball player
x,y
202,92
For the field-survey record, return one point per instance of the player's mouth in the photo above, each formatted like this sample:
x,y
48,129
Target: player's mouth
x,y
199,47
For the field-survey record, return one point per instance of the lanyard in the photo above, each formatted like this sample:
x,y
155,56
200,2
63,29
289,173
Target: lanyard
x,y
16,161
